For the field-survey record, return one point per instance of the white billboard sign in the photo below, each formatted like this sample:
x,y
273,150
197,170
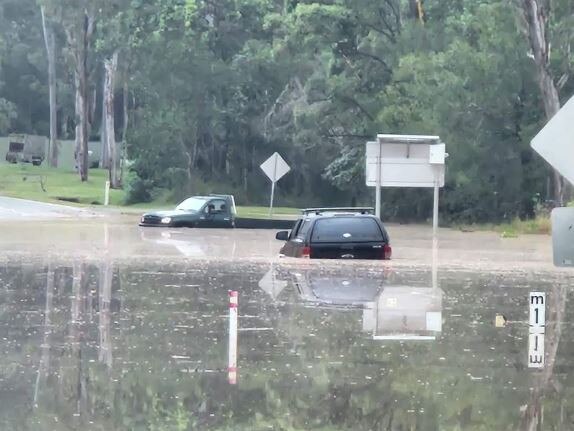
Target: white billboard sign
x,y
406,161
405,165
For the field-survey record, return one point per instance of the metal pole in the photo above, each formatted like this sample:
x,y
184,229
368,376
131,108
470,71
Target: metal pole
x,y
272,197
378,185
435,209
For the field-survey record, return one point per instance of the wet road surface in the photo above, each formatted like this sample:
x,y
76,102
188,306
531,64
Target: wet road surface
x,y
104,326
19,209
121,238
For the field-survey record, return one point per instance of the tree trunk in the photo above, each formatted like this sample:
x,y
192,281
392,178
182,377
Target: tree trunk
x,y
536,14
50,42
111,66
64,122
104,156
93,108
188,152
79,36
228,160
126,119
244,167
79,107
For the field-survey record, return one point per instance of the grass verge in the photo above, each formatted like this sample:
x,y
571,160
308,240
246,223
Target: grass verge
x,y
44,184
41,183
538,226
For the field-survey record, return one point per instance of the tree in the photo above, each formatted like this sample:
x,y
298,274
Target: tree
x,y
111,67
50,42
79,22
217,86
114,40
537,14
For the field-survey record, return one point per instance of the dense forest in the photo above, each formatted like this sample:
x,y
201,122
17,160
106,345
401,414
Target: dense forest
x,y
203,91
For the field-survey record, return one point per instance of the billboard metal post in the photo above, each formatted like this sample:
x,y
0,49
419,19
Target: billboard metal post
x,y
435,203
378,186
435,212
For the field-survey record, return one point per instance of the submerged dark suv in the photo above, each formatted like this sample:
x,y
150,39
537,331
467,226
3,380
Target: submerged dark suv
x,y
337,233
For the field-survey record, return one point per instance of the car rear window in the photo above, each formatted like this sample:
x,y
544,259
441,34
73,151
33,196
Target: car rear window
x,y
347,229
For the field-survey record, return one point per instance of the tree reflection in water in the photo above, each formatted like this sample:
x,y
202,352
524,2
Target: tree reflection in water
x,y
159,362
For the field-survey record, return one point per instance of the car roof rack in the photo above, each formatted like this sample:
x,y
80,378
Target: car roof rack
x,y
349,210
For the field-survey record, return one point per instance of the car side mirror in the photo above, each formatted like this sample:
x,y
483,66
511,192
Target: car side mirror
x,y
282,236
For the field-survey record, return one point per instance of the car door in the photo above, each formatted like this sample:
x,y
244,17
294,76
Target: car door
x,y
205,217
222,213
216,214
287,249
297,239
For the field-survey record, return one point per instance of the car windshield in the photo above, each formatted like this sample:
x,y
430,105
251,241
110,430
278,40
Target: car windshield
x,y
348,229
191,204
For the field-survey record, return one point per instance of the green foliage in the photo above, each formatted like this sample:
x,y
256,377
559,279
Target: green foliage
x,y
216,87
7,115
137,189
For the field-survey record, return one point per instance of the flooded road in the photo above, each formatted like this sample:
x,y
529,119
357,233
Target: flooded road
x,y
105,326
19,209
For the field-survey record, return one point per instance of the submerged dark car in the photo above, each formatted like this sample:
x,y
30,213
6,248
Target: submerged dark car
x,y
214,211
337,233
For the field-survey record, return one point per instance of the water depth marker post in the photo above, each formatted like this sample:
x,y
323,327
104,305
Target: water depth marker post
x,y
232,361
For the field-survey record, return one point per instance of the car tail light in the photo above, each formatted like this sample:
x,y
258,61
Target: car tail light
x,y
387,252
306,253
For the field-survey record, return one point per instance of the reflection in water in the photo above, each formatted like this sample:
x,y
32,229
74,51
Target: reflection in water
x,y
405,313
340,290
105,295
72,358
389,312
175,239
47,329
78,384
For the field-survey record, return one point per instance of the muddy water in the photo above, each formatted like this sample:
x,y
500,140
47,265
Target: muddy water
x,y
119,237
119,331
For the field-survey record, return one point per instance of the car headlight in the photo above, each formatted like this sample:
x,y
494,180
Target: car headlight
x,y
166,220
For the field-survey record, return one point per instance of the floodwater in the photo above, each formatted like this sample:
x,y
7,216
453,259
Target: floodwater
x,y
106,326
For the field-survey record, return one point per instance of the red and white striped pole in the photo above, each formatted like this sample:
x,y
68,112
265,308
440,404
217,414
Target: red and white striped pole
x,y
232,363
